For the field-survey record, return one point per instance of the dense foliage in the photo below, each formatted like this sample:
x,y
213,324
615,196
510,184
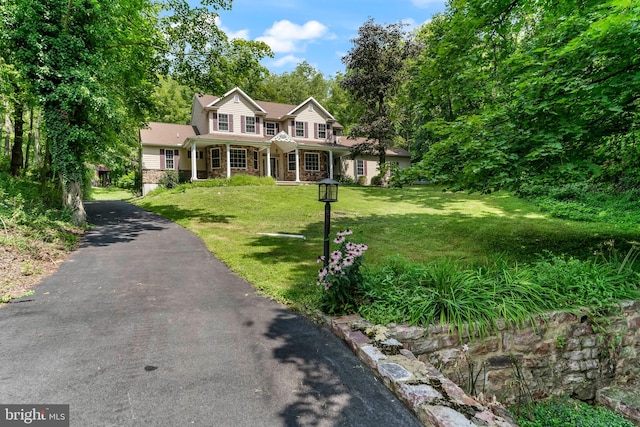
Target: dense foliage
x,y
446,293
520,92
561,412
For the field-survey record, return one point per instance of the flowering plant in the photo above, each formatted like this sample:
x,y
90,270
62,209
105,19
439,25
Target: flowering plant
x,y
341,277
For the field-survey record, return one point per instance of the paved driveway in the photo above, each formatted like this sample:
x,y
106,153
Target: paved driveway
x,y
143,326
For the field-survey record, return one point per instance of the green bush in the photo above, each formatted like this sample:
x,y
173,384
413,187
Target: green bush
x,y
592,202
171,179
362,180
564,412
129,181
447,293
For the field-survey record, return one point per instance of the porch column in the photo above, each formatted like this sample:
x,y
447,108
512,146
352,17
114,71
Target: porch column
x,y
228,160
194,167
268,161
297,165
330,164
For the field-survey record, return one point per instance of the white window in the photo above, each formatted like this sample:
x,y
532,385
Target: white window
x,y
300,129
168,159
311,162
360,167
271,129
238,158
292,162
322,131
223,122
215,158
250,124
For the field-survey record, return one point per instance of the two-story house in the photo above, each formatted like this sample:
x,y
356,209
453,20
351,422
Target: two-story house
x,y
234,134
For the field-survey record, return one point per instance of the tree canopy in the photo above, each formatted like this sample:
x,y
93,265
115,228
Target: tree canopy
x,y
375,69
521,91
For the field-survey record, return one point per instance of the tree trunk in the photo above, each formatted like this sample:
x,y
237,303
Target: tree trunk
x,y
16,151
30,139
72,199
7,128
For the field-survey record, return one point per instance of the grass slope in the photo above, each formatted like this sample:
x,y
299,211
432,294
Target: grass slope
x,y
420,223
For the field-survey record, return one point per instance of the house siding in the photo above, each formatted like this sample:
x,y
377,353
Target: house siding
x,y
237,110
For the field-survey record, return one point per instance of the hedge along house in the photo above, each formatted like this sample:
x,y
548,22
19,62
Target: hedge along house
x,y
233,134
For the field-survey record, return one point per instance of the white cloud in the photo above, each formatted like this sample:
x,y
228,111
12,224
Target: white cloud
x,y
285,36
423,4
240,34
287,60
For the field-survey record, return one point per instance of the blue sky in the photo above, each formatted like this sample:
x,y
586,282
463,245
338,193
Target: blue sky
x,y
319,32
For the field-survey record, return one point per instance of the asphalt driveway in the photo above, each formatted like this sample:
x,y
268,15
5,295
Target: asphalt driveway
x,y
143,326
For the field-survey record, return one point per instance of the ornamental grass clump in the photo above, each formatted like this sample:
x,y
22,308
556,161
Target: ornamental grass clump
x,y
341,277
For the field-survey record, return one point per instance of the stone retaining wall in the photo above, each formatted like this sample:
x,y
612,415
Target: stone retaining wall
x,y
561,353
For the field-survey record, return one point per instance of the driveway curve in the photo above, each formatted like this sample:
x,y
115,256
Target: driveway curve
x,y
142,325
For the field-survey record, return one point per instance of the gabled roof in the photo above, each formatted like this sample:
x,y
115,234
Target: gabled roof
x,y
273,110
235,91
293,111
168,134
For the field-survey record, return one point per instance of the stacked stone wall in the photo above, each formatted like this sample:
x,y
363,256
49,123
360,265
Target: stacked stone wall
x,y
560,353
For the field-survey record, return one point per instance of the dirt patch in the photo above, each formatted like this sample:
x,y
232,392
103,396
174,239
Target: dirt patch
x,y
22,267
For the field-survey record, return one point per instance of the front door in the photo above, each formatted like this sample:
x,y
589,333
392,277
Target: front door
x,y
274,167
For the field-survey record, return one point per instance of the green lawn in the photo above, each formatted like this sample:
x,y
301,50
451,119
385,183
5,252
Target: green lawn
x,y
109,193
421,223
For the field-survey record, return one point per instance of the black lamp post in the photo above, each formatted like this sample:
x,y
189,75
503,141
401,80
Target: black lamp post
x,y
327,193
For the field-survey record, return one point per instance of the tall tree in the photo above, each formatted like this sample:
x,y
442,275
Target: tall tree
x,y
293,87
520,92
375,70
91,64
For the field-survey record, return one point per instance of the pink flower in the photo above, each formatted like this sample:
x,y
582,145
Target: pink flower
x,y
338,240
320,259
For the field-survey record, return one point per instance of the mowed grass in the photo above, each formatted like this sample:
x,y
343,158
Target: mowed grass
x,y
419,223
109,193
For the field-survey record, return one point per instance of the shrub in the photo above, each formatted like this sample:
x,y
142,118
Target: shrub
x,y
346,180
561,412
128,181
171,179
377,180
341,277
362,180
447,293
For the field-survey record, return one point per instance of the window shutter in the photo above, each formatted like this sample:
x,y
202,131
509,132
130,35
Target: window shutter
x,y
277,128
264,128
243,124
162,160
176,159
230,122
258,125
293,128
306,129
215,121
364,167
315,130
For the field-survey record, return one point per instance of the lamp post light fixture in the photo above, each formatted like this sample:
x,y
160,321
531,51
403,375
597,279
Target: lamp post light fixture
x,y
327,193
